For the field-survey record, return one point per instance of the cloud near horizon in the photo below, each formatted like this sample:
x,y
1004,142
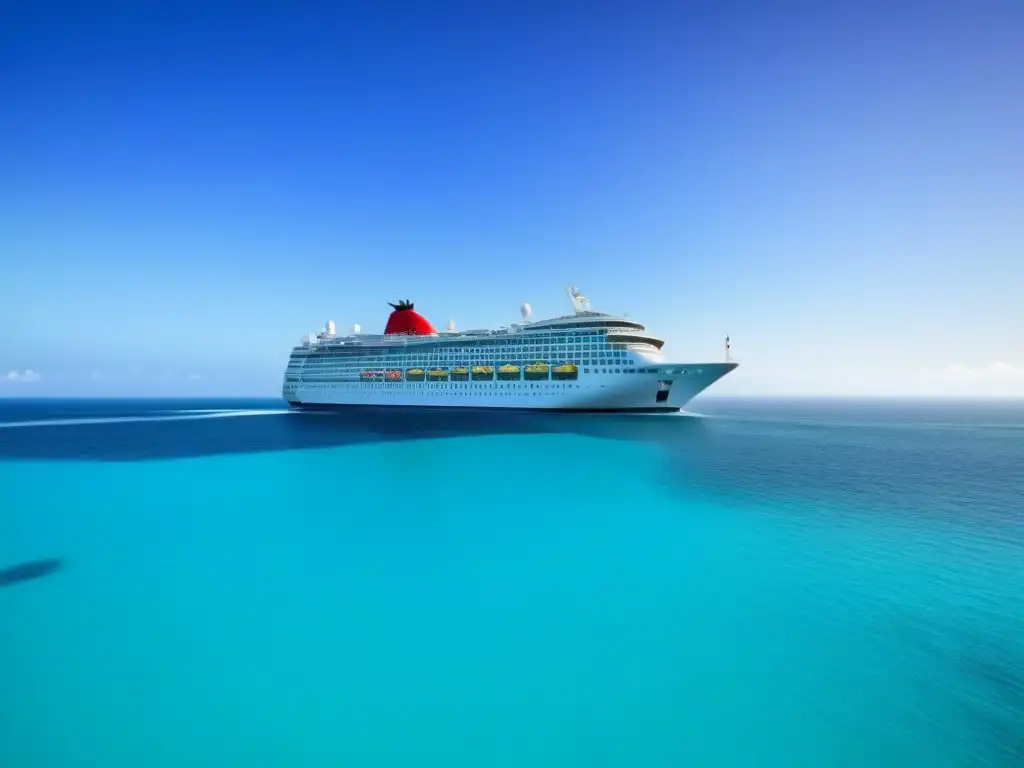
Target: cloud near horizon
x,y
999,371
1000,377
28,376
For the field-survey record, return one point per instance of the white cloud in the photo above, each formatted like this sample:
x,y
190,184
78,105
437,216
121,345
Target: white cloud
x,y
28,376
875,378
998,378
958,372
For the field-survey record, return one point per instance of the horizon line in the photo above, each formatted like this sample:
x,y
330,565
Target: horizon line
x,y
719,396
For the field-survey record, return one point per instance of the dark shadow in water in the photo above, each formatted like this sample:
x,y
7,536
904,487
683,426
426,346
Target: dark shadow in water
x,y
999,673
272,430
853,456
35,569
983,664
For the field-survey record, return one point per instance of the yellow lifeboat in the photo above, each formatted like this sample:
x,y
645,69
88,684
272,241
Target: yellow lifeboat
x,y
460,371
415,372
508,372
537,371
438,373
487,370
566,371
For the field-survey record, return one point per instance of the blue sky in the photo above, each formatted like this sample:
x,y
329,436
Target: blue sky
x,y
187,188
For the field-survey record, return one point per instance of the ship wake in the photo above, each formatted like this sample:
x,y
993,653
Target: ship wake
x,y
179,416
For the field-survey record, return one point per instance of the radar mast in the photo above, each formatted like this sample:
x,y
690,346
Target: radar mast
x,y
580,303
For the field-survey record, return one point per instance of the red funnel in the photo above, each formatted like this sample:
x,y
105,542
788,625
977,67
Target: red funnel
x,y
407,320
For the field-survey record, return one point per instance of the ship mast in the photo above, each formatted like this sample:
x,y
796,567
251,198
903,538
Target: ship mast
x,y
580,303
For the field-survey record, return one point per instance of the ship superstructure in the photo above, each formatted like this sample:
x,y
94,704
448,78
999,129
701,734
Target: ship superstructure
x,y
584,361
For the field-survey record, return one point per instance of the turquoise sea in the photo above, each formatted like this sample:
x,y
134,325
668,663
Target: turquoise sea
x,y
764,583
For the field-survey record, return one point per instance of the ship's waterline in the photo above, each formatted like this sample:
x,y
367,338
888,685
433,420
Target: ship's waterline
x,y
586,361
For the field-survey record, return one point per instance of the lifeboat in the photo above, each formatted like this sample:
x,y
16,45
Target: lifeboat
x,y
437,374
483,372
566,371
414,374
395,375
407,321
367,374
460,374
508,372
537,371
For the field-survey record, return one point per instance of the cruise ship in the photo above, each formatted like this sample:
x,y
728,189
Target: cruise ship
x,y
586,361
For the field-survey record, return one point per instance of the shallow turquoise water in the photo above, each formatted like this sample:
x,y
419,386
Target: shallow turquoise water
x,y
775,584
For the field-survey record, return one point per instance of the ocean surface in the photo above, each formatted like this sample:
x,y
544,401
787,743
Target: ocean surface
x,y
760,583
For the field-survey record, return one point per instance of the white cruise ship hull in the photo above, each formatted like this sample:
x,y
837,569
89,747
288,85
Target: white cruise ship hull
x,y
666,388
